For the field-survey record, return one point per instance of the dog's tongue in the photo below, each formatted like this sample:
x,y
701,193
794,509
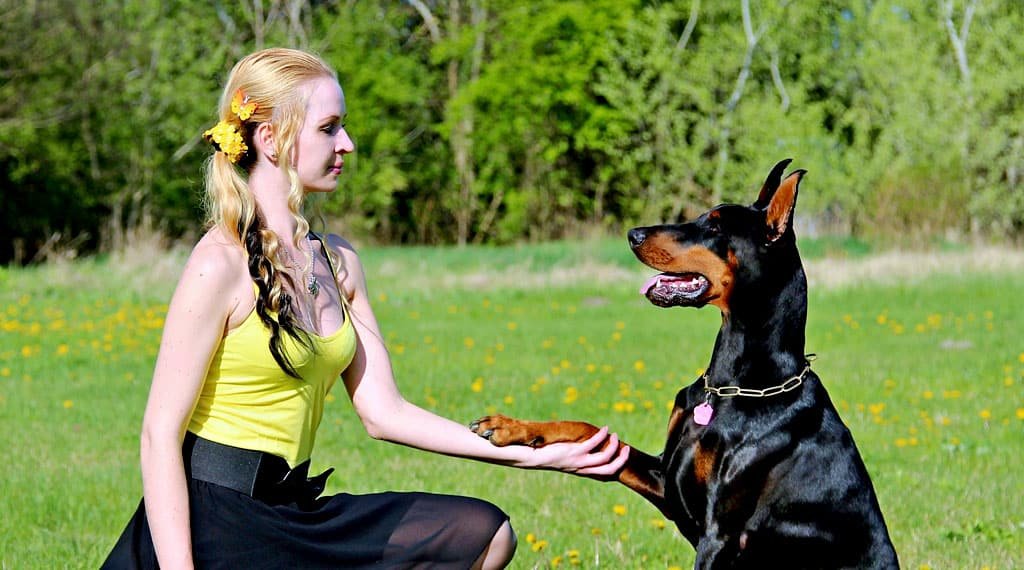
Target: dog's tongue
x,y
650,283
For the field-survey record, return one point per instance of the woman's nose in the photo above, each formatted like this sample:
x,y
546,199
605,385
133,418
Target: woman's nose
x,y
343,143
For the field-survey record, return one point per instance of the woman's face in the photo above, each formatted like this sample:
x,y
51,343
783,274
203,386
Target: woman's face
x,y
322,142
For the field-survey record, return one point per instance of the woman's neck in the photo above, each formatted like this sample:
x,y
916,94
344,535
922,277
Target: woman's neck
x,y
270,187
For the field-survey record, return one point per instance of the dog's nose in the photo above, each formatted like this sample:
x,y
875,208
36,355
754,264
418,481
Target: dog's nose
x,y
636,237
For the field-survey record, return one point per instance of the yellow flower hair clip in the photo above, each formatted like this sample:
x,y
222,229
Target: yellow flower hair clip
x,y
225,137
241,106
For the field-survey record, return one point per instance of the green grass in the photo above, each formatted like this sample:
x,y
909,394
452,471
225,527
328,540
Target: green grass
x,y
929,377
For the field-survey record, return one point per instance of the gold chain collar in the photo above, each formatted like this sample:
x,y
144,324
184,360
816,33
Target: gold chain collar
x,y
734,391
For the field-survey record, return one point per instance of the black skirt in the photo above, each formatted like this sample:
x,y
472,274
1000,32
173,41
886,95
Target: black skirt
x,y
386,530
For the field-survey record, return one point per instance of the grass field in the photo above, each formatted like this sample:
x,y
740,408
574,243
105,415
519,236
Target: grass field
x,y
927,372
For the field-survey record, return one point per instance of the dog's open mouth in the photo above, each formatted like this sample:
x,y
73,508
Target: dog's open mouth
x,y
671,289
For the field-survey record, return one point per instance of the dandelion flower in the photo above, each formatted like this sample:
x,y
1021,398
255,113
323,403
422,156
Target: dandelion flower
x,y
619,510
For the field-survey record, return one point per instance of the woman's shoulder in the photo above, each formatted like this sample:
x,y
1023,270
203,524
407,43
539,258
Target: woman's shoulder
x,y
342,247
218,256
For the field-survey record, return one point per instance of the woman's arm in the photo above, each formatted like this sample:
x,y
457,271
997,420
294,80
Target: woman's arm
x,y
196,318
388,416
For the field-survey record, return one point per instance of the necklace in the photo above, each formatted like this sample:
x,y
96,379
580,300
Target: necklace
x,y
312,284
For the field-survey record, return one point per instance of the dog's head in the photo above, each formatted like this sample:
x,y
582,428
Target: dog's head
x,y
727,248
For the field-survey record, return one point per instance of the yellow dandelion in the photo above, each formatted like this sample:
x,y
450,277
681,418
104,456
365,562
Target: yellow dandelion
x,y
882,319
985,414
512,326
901,442
591,368
539,545
1020,413
876,409
1008,381
477,385
639,366
5,371
928,394
509,400
68,404
26,351
489,359
619,510
500,347
556,561
571,395
658,523
1020,357
596,531
565,364
531,538
951,394
616,336
469,342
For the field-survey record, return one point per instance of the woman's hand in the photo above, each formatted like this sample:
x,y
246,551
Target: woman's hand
x,y
599,457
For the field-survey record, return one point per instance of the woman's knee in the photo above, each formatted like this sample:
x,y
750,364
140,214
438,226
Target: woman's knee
x,y
501,549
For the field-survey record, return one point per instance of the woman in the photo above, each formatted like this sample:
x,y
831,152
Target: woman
x,y
264,319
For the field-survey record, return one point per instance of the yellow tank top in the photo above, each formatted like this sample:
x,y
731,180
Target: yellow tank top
x,y
248,401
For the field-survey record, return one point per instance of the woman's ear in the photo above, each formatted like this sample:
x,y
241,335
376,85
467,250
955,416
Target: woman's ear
x,y
263,138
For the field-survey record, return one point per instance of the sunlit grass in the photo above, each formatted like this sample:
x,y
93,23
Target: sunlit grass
x,y
929,377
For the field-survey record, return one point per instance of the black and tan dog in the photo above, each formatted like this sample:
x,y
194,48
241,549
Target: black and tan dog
x,y
758,470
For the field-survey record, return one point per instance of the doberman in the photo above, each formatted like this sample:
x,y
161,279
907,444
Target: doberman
x,y
758,470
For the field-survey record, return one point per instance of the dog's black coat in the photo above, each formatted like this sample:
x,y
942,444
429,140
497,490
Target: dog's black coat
x,y
770,482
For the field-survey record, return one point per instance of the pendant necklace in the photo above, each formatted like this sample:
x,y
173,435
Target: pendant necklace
x,y
312,284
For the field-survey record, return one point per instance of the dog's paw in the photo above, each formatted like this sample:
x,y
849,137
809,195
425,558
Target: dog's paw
x,y
501,431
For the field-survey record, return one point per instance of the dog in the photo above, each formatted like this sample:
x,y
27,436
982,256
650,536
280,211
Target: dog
x,y
758,469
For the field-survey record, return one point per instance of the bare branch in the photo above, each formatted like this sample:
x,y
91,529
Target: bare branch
x,y
691,23
777,80
959,39
428,19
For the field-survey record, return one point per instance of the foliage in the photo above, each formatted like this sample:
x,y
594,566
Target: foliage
x,y
503,120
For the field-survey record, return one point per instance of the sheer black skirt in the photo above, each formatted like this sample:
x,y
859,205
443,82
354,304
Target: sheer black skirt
x,y
385,530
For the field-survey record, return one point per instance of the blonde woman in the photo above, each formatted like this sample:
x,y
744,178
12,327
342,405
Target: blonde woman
x,y
265,318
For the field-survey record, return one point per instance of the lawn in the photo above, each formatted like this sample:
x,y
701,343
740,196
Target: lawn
x,y
928,373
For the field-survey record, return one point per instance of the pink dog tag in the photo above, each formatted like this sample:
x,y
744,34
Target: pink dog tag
x,y
702,414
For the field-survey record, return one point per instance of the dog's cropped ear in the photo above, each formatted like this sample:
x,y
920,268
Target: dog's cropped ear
x,y
779,214
771,184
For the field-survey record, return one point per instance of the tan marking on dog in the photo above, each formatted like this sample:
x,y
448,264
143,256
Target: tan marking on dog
x,y
673,420
703,463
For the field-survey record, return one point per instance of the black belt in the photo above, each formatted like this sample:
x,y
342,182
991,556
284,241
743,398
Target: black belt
x,y
260,475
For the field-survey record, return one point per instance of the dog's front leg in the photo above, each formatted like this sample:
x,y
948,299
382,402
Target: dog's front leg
x,y
642,472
